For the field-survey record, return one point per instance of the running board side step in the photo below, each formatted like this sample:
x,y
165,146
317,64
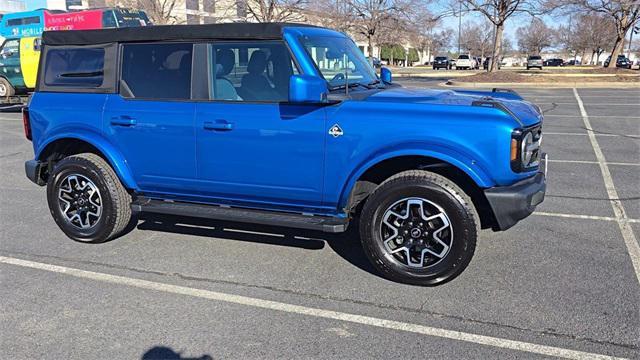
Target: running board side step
x,y
292,220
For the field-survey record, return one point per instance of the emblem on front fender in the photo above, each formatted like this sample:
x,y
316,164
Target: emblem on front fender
x,y
336,131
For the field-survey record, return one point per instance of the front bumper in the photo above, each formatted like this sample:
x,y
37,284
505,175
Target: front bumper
x,y
513,203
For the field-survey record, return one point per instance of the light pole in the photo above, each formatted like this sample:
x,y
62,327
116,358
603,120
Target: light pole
x,y
459,27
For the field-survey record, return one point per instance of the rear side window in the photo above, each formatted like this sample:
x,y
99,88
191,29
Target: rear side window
x,y
76,67
157,71
24,21
83,69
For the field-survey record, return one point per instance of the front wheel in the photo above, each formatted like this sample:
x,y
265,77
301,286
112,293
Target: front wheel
x,y
419,228
87,200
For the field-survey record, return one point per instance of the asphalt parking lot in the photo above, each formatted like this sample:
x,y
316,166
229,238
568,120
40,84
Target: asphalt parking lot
x,y
563,283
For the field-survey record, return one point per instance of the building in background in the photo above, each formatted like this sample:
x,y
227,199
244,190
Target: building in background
x,y
9,6
182,11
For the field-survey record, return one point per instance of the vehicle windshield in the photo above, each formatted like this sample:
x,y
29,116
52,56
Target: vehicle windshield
x,y
339,61
441,58
464,57
534,57
131,18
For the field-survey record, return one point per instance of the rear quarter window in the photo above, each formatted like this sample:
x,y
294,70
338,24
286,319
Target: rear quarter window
x,y
75,68
78,69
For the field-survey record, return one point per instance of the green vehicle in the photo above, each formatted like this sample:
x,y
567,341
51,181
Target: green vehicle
x,y
11,77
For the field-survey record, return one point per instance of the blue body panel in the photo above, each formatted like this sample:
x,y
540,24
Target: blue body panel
x,y
282,156
273,154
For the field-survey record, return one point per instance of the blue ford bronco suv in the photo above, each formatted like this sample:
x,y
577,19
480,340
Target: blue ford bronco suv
x,y
278,124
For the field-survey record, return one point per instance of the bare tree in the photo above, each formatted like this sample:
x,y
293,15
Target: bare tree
x,y
535,37
591,32
623,13
374,18
422,33
273,10
334,14
477,38
497,12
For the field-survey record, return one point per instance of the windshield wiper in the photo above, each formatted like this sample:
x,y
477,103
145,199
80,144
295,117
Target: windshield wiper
x,y
351,85
372,84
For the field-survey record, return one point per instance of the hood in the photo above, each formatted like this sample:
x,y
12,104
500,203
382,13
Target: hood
x,y
507,100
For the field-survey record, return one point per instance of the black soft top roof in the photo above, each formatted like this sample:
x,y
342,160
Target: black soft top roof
x,y
230,31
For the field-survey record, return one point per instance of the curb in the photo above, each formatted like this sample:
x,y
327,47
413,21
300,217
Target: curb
x,y
565,84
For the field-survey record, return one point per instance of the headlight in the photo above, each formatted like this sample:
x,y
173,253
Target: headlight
x,y
525,148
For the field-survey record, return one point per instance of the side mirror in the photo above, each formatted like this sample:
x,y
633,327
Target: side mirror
x,y
307,89
385,75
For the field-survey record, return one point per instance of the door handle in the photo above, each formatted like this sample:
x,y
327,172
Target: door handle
x,y
218,125
123,120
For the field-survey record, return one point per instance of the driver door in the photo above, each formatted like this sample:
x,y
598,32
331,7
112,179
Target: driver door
x,y
253,146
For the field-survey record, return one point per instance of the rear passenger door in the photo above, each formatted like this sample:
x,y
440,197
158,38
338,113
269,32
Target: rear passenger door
x,y
151,120
253,146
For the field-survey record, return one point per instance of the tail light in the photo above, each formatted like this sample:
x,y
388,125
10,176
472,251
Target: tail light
x,y
26,123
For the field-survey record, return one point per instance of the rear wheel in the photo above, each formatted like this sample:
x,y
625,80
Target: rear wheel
x,y
87,200
419,228
5,88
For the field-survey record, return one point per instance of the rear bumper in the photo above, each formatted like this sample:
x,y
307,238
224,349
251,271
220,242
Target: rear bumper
x,y
33,170
513,203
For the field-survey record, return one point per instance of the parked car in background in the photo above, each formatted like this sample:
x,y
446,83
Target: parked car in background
x,y
441,62
573,62
421,170
452,63
553,62
465,62
487,61
534,61
621,62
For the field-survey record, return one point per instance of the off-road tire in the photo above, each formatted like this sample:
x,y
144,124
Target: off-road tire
x,y
457,205
8,89
116,201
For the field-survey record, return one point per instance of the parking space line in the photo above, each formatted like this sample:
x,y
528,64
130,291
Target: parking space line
x,y
629,237
572,103
592,162
585,134
609,117
309,311
583,217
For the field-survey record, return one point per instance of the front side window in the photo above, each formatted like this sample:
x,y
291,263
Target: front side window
x,y
157,71
250,71
74,67
339,61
